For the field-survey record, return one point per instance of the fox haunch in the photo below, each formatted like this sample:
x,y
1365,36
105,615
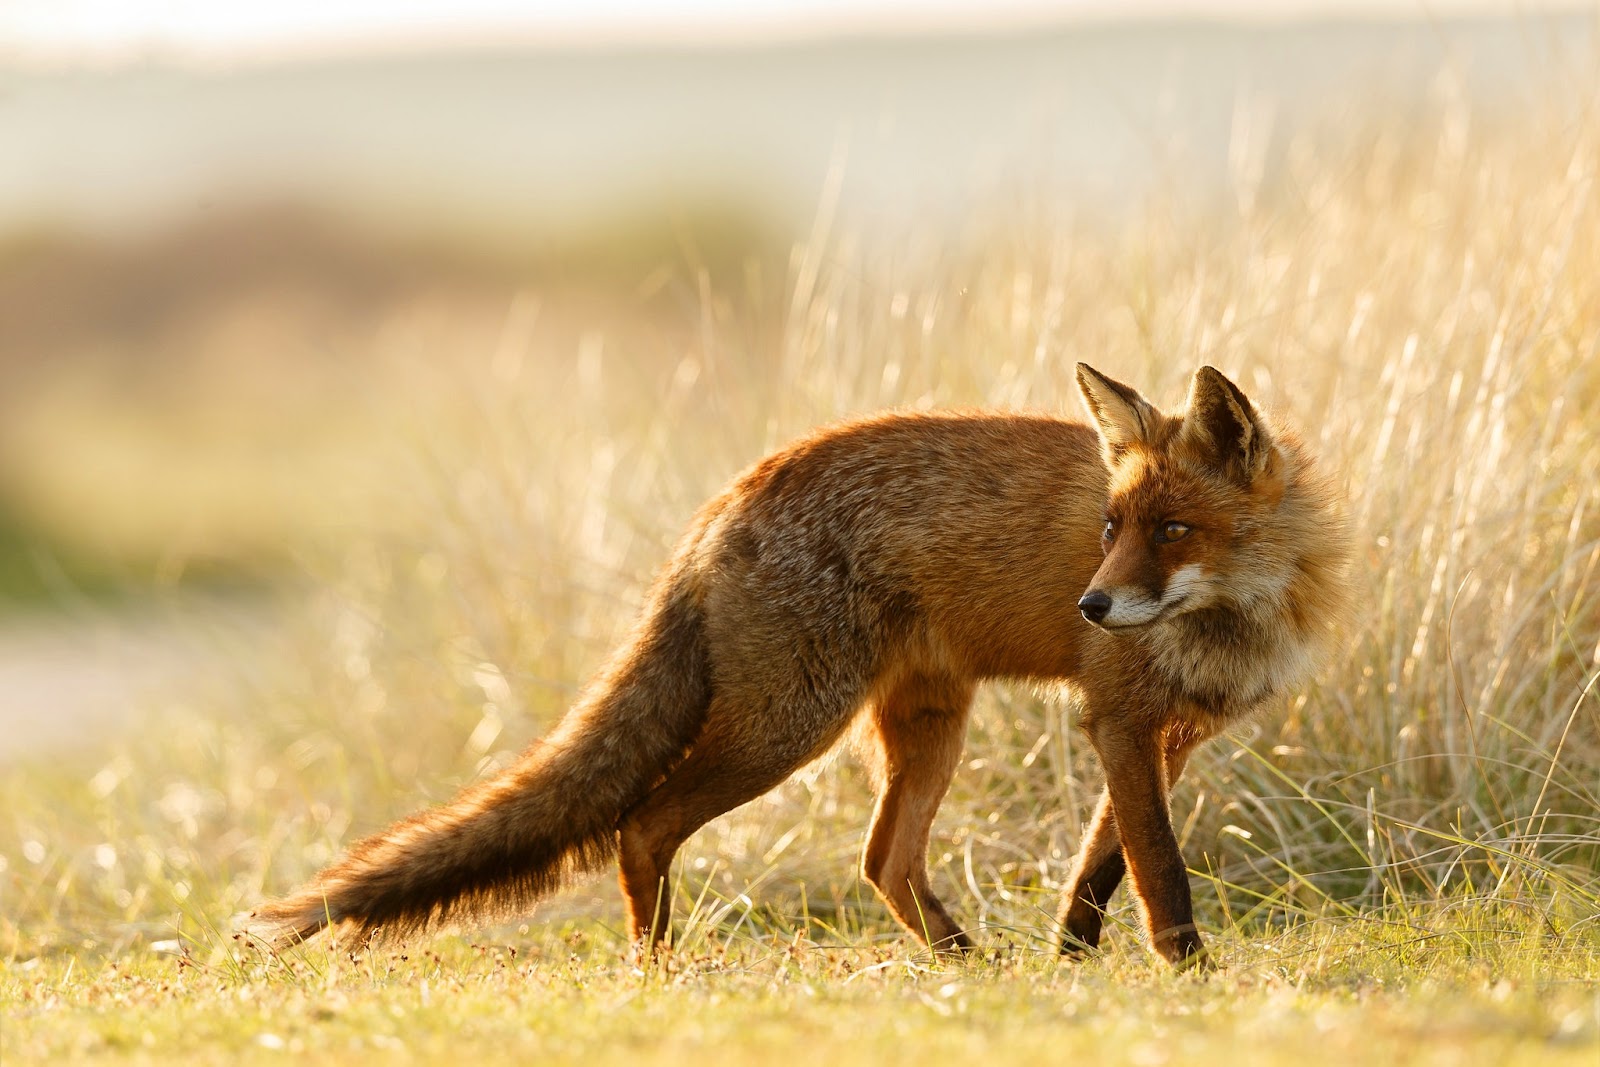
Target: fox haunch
x,y
1177,572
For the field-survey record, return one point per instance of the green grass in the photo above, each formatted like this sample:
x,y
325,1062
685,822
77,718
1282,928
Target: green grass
x,y
1388,988
1398,866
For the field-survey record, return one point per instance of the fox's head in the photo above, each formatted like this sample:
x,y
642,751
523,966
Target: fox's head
x,y
1190,503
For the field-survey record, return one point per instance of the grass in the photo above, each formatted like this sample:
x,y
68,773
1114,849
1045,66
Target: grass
x,y
1399,866
1365,991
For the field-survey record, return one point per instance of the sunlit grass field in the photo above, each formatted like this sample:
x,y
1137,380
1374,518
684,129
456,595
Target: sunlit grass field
x,y
1402,864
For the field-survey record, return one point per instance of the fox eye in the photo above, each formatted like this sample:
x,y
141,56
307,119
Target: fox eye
x,y
1169,532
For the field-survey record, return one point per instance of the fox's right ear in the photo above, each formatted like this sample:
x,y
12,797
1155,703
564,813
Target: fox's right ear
x,y
1120,414
1222,422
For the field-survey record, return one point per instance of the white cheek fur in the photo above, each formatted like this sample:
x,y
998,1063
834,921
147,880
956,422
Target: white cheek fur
x,y
1186,581
1130,607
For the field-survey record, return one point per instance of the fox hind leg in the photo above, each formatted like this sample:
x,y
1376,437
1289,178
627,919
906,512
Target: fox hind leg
x,y
739,757
918,728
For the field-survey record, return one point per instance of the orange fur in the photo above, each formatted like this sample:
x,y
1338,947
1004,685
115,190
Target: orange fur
x,y
884,568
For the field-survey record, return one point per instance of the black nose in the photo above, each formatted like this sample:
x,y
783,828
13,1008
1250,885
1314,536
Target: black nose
x,y
1094,606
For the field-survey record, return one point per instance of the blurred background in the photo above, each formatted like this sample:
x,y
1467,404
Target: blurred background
x,y
222,226
359,361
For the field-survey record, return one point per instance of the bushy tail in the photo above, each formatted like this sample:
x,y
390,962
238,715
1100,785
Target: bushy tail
x,y
505,842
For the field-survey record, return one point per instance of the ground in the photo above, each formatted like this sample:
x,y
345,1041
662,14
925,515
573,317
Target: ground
x,y
1323,995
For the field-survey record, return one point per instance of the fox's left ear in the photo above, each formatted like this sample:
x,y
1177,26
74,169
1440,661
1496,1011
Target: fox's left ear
x,y
1221,423
1121,416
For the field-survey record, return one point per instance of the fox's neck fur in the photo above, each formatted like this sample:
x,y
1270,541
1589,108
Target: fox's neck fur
x,y
1228,662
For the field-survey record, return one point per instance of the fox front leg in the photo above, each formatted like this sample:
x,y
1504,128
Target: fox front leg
x,y
1137,790
1099,865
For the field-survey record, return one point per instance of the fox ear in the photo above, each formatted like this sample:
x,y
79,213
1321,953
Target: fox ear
x,y
1222,424
1121,416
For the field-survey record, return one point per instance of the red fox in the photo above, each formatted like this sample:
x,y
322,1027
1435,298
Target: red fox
x,y
1175,571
